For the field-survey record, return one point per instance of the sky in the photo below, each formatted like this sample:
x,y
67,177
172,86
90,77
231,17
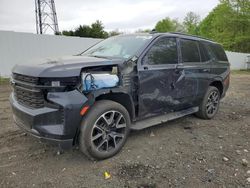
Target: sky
x,y
124,15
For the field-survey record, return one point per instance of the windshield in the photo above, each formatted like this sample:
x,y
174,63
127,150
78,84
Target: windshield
x,y
123,46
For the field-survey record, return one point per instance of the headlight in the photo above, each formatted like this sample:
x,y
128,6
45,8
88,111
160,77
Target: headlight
x,y
59,82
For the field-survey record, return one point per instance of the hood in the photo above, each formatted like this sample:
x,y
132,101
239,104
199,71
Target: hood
x,y
62,67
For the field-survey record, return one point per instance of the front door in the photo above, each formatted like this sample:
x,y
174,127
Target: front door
x,y
160,79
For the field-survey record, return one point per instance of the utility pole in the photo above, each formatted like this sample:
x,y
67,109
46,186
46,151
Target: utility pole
x,y
46,18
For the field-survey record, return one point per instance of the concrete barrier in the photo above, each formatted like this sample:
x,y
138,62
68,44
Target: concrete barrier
x,y
238,60
25,48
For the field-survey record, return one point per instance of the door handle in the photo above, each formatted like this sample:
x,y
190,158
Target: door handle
x,y
145,68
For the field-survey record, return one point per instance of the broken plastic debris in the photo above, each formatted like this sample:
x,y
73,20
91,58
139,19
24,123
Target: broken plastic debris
x,y
107,175
152,134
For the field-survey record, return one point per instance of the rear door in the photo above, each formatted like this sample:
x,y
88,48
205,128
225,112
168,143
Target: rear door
x,y
196,67
158,77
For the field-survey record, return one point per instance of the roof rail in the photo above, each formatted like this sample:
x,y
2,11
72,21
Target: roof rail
x,y
179,33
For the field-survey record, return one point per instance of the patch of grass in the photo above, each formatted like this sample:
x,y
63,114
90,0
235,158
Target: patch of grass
x,y
4,80
240,71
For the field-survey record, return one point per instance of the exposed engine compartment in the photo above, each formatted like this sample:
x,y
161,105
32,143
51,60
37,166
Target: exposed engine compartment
x,y
94,78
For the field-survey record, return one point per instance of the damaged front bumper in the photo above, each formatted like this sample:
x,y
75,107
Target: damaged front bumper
x,y
56,122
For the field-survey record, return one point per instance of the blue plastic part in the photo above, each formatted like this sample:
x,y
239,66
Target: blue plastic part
x,y
98,81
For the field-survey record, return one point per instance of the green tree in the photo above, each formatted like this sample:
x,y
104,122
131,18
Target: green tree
x,y
191,23
83,31
218,25
96,30
229,24
169,25
241,20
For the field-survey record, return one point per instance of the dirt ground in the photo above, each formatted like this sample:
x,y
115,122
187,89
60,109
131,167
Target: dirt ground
x,y
188,152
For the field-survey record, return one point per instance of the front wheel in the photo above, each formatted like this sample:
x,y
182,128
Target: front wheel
x,y
104,130
210,104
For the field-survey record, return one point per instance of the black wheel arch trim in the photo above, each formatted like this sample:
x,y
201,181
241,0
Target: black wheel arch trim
x,y
109,94
218,83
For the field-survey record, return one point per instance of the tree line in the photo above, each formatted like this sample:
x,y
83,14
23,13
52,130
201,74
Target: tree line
x,y
228,23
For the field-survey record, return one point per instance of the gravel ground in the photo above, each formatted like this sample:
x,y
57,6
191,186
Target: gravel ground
x,y
188,152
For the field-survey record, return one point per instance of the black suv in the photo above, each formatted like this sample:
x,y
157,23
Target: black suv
x,y
126,82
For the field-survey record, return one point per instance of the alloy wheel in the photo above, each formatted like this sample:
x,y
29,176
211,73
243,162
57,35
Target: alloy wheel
x,y
212,103
108,131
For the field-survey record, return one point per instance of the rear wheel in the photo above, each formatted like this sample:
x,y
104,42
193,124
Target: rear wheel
x,y
104,130
210,104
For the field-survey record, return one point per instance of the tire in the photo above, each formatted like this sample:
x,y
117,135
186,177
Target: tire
x,y
104,130
210,104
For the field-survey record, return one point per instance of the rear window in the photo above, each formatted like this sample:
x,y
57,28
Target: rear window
x,y
217,51
190,51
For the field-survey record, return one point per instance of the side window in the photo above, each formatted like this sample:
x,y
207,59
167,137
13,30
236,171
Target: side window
x,y
204,52
218,51
190,51
163,51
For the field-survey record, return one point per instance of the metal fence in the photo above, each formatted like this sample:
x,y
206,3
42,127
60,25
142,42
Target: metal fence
x,y
27,48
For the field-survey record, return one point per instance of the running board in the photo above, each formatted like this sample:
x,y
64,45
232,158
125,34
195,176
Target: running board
x,y
142,124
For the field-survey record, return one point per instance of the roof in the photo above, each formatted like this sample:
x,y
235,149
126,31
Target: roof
x,y
186,36
155,34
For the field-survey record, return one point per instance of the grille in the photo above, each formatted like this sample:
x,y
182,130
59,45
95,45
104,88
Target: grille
x,y
33,99
26,96
24,78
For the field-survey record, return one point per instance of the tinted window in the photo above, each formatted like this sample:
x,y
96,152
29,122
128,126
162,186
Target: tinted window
x,y
190,51
218,52
204,52
163,51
